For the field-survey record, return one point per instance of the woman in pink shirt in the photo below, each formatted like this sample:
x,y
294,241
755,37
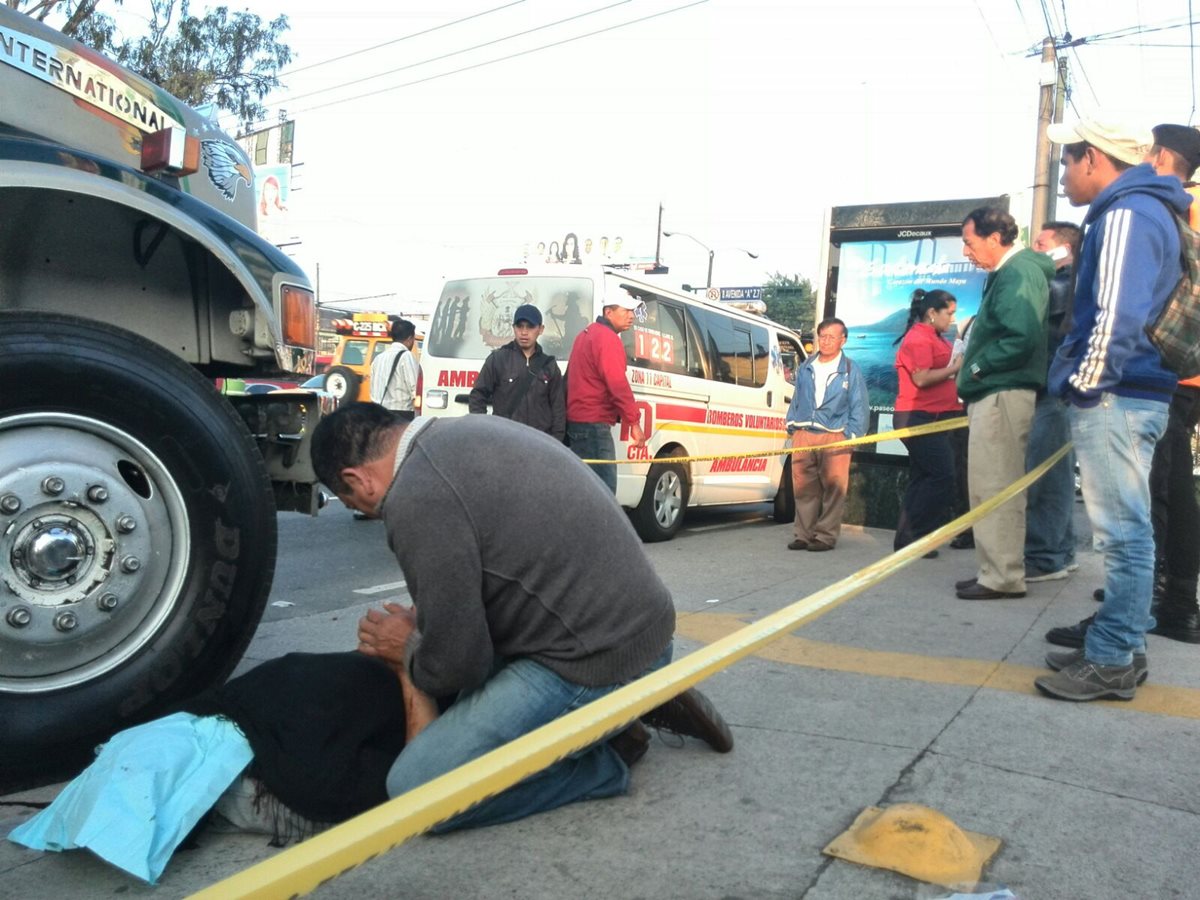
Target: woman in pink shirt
x,y
927,369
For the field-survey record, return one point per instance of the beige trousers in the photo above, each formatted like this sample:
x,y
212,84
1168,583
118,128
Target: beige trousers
x,y
999,430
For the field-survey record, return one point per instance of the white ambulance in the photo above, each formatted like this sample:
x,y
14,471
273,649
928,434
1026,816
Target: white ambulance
x,y
708,379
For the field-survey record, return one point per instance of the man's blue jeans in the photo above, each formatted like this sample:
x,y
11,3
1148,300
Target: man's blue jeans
x,y
594,440
521,695
1114,442
1050,501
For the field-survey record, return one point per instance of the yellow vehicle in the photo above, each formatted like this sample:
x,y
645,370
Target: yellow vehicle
x,y
363,337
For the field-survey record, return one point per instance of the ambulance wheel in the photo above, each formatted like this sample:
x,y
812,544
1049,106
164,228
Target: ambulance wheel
x,y
343,384
785,498
660,514
137,536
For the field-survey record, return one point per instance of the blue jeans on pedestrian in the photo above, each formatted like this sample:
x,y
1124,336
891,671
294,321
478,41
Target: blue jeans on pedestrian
x,y
594,440
520,696
1114,442
1050,501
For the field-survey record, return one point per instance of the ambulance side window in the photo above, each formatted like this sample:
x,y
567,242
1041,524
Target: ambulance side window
x,y
760,343
658,339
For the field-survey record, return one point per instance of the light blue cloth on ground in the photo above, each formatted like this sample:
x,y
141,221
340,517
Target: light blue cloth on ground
x,y
147,789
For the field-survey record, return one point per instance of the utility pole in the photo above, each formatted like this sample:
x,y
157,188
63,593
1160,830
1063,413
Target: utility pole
x,y
658,240
1060,95
1043,191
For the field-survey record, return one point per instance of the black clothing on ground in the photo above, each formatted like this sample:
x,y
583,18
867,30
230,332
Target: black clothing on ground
x,y
324,727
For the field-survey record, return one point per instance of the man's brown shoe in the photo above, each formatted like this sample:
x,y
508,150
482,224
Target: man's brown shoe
x,y
692,714
631,744
798,544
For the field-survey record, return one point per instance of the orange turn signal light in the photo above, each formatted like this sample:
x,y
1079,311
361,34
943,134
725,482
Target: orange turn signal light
x,y
299,312
170,151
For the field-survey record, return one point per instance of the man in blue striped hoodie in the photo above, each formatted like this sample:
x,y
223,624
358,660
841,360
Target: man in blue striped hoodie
x,y
1117,389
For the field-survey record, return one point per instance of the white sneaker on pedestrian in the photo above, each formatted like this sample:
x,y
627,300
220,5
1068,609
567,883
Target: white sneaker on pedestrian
x,y
1033,576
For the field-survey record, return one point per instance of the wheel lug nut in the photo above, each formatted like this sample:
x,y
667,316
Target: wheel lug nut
x,y
65,621
131,564
126,524
10,504
53,485
19,617
97,493
107,602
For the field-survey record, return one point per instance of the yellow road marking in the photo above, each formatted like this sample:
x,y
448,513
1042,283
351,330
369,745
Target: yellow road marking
x,y
1158,699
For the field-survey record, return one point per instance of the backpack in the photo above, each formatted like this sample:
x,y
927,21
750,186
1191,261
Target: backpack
x,y
1176,331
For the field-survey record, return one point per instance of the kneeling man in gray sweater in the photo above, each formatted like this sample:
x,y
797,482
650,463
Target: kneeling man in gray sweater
x,y
532,596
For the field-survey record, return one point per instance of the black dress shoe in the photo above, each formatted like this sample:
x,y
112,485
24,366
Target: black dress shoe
x,y
1178,626
966,583
964,541
692,715
978,592
932,554
1070,635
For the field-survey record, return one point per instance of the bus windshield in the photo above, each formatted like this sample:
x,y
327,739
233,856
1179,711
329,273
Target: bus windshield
x,y
474,316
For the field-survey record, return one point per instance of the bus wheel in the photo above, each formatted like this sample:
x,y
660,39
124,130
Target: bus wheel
x,y
664,499
343,384
785,499
137,536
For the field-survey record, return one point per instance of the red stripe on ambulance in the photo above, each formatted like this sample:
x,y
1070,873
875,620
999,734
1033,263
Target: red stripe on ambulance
x,y
677,412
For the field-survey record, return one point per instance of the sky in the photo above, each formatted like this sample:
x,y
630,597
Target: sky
x,y
745,120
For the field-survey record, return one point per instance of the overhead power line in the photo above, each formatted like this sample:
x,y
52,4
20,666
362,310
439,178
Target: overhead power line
x,y
489,62
406,37
432,59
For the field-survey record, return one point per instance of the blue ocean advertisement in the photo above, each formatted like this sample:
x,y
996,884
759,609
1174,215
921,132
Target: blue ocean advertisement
x,y
875,283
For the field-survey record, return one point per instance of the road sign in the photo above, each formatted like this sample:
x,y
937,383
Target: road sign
x,y
735,293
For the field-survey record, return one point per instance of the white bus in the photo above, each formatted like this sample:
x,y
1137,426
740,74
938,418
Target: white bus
x,y
708,379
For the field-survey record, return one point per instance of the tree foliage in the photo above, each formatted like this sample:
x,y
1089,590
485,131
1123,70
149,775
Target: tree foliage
x,y
791,301
229,59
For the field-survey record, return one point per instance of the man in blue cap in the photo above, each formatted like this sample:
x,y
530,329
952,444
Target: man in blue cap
x,y
521,382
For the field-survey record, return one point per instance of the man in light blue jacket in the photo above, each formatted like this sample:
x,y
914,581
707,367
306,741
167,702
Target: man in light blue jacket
x,y
830,405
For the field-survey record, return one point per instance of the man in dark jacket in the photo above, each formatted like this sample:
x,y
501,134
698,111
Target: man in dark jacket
x,y
1050,501
521,382
1116,387
1003,367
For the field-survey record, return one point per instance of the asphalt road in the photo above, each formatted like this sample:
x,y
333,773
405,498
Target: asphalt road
x,y
902,694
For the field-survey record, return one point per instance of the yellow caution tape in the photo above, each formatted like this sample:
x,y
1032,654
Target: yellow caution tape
x,y
303,868
898,434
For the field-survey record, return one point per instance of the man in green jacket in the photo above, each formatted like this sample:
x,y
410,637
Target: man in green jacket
x,y
1004,366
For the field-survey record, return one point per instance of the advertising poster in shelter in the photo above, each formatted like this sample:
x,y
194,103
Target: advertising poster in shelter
x,y
876,279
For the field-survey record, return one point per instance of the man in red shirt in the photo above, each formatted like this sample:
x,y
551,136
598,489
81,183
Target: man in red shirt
x,y
598,393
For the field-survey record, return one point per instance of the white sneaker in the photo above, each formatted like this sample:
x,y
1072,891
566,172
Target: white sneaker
x,y
1033,576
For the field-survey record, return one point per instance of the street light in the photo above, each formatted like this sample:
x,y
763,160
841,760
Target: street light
x,y
711,251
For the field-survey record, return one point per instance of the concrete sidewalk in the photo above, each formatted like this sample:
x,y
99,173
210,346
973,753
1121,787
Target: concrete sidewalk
x,y
903,694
